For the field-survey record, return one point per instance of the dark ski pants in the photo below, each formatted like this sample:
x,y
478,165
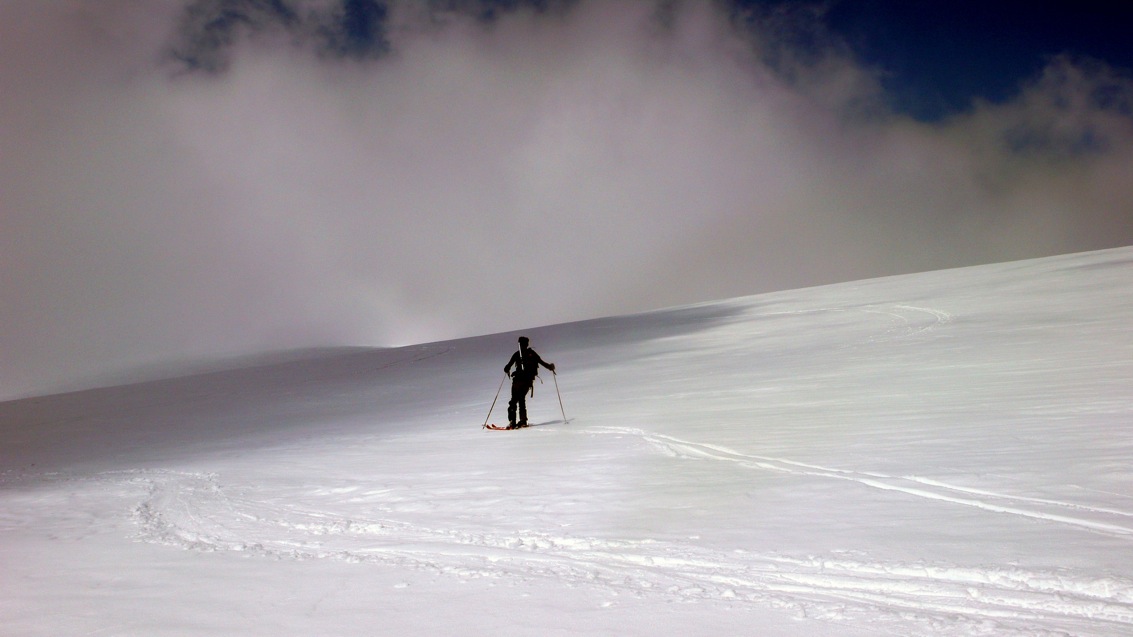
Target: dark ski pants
x,y
519,389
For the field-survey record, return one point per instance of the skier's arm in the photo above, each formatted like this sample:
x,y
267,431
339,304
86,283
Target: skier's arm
x,y
550,366
512,361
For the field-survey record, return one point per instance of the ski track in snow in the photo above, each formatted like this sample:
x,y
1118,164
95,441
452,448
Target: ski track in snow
x,y
195,512
1098,519
911,320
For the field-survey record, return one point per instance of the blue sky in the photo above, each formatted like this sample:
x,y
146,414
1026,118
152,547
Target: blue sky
x,y
937,56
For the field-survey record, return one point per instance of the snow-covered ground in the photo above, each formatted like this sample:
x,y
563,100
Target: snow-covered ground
x,y
947,453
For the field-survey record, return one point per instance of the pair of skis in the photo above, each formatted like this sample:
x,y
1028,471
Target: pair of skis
x,y
496,427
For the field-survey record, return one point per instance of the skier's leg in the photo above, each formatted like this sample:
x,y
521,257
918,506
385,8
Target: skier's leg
x,y
517,392
523,407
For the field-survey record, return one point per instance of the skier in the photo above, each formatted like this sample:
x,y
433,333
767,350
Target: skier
x,y
526,363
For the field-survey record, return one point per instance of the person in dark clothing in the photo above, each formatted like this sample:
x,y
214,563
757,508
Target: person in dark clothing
x,y
526,363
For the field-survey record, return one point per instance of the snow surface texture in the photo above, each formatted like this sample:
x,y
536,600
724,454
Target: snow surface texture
x,y
939,454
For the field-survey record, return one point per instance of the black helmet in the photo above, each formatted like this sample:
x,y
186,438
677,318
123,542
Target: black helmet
x,y
523,340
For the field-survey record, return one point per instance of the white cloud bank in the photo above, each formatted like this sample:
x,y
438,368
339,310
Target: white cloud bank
x,y
596,159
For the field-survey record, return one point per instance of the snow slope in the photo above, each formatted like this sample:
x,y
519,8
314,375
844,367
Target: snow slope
x,y
939,454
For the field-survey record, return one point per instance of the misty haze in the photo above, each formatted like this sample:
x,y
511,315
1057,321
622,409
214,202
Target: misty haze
x,y
191,180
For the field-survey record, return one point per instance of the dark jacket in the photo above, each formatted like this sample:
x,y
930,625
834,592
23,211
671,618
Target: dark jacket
x,y
526,363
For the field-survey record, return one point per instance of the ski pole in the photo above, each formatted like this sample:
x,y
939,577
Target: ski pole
x,y
556,377
485,425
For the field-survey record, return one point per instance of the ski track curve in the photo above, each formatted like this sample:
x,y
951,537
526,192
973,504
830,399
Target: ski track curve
x,y
908,320
197,512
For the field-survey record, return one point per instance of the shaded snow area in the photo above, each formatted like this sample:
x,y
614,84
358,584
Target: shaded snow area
x,y
939,454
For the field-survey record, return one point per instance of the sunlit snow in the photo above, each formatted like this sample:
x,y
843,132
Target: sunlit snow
x,y
946,453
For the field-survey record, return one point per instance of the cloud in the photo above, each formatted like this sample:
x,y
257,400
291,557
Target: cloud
x,y
182,180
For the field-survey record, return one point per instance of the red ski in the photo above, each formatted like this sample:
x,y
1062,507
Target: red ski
x,y
499,428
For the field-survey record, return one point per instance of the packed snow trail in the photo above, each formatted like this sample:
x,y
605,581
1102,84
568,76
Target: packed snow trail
x,y
200,512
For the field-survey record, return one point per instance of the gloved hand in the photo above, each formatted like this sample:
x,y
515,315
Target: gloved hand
x,y
551,366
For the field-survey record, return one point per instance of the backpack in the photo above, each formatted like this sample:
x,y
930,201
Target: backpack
x,y
521,367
